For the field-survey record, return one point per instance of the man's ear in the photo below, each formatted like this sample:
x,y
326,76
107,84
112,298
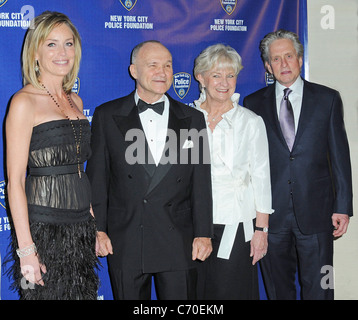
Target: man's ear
x,y
300,61
133,70
268,67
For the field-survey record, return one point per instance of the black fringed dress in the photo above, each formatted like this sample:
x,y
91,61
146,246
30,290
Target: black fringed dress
x,y
59,212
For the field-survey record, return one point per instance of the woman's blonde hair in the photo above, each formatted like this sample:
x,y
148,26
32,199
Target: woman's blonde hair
x,y
39,29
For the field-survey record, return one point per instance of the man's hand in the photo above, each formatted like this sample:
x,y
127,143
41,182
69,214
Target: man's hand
x,y
201,248
103,244
340,223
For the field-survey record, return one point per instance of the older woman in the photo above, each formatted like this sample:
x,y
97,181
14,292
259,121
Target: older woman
x,y
240,178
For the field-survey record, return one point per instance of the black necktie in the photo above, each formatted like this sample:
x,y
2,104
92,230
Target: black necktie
x,y
157,107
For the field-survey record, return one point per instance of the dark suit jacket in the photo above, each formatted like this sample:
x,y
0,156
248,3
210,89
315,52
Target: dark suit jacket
x,y
150,214
318,170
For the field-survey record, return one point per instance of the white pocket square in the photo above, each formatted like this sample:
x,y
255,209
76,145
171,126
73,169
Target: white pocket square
x,y
188,144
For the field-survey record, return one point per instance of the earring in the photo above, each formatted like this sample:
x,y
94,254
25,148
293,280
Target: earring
x,y
37,69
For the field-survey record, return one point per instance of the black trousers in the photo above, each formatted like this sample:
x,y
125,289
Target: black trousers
x,y
232,279
135,285
290,251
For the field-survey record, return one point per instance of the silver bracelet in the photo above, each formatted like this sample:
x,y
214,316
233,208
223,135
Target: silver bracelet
x,y
26,251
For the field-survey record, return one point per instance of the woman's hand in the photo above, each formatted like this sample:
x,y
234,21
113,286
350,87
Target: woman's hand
x,y
259,246
32,269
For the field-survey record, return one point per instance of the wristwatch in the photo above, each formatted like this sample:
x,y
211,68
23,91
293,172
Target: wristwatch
x,y
264,229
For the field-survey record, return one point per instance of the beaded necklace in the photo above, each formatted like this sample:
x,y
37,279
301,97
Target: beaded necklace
x,y
77,141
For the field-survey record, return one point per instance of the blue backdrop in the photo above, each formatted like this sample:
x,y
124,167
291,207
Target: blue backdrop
x,y
111,28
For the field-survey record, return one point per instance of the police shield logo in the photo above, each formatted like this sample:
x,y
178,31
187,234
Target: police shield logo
x,y
2,2
228,5
2,194
76,86
181,84
269,78
128,4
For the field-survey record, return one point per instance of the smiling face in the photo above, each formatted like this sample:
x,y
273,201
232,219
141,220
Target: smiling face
x,y
56,53
153,71
284,63
220,83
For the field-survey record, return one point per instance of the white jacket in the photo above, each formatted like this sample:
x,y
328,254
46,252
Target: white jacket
x,y
240,171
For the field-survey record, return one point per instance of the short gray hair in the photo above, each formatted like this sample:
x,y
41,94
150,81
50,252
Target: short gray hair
x,y
279,34
217,54
138,47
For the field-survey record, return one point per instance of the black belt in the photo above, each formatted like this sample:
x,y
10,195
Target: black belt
x,y
57,216
55,170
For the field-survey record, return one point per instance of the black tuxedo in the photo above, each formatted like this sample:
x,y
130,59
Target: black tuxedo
x,y
313,181
151,214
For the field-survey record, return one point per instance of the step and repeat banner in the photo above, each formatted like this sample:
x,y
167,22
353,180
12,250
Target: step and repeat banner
x,y
111,28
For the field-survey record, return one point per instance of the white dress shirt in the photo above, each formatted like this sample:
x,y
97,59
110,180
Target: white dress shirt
x,y
155,127
240,171
295,98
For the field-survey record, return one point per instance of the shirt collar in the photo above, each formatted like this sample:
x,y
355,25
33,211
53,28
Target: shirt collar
x,y
296,87
227,116
137,97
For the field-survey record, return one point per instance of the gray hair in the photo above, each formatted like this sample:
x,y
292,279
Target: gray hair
x,y
279,34
138,47
217,54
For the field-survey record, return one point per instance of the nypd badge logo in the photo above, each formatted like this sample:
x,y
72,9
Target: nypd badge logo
x,y
228,5
269,78
2,2
181,84
2,194
76,86
128,4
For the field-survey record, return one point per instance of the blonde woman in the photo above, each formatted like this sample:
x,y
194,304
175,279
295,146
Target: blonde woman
x,y
47,139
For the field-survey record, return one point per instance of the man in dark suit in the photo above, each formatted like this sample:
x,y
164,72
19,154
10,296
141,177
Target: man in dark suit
x,y
310,172
151,184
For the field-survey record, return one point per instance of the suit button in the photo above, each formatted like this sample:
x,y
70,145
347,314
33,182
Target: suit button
x,y
145,201
289,182
292,158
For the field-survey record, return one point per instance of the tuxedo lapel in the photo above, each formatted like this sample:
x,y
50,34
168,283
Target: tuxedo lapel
x,y
171,152
129,120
